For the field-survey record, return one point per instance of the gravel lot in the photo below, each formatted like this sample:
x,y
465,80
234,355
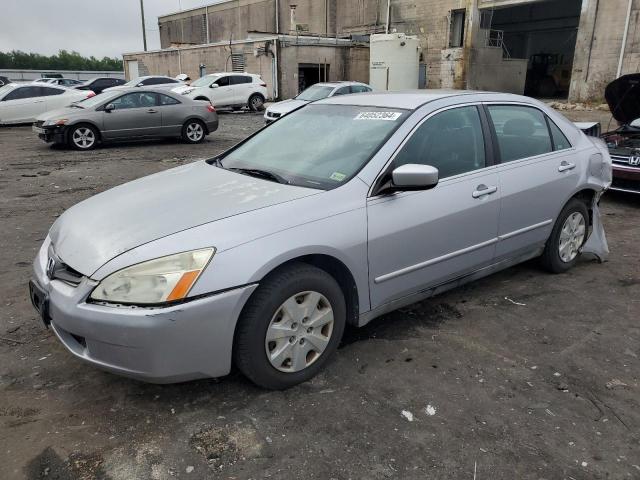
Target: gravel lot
x,y
521,375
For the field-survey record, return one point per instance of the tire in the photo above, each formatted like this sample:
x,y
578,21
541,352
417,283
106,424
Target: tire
x,y
256,103
301,343
193,131
83,137
557,259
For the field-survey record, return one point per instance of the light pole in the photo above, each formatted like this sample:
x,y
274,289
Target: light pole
x,y
144,32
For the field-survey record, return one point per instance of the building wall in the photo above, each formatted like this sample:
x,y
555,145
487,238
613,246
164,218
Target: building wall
x,y
598,47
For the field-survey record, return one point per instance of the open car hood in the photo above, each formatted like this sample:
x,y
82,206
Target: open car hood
x,y
623,97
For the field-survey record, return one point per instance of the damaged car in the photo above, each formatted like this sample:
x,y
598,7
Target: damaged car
x,y
623,97
336,214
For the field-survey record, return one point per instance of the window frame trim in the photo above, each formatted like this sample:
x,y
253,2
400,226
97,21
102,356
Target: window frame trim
x,y
494,135
488,149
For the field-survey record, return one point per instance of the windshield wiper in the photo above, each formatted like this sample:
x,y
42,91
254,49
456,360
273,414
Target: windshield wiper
x,y
255,172
75,105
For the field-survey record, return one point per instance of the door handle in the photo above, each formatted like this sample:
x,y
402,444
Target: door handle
x,y
482,190
151,110
564,166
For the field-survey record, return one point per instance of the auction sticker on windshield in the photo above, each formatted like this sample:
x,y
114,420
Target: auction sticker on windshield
x,y
390,116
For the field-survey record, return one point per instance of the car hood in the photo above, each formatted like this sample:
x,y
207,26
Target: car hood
x,y
287,106
623,97
59,113
102,227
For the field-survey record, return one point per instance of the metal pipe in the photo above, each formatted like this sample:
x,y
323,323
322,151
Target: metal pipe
x,y
624,39
386,30
277,16
144,32
206,14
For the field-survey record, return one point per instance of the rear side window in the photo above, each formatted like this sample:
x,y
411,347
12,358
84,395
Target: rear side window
x,y
521,131
239,79
451,141
359,89
23,92
167,100
560,142
342,91
48,91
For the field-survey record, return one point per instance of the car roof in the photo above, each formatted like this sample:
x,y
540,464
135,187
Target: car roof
x,y
339,83
411,99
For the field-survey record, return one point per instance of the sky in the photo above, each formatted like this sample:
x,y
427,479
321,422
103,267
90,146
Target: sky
x,y
91,27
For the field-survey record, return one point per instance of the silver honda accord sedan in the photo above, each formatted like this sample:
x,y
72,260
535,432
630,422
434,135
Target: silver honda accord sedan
x,y
338,213
127,113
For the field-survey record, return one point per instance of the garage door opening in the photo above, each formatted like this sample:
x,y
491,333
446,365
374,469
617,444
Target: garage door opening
x,y
543,33
311,73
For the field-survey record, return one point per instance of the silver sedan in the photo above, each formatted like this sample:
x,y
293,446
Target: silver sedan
x,y
342,211
126,114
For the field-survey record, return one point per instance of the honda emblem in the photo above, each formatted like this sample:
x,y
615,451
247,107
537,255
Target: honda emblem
x,y
635,161
51,266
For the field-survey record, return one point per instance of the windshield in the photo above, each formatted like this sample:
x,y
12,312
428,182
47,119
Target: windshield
x,y
98,99
316,92
204,81
318,146
4,89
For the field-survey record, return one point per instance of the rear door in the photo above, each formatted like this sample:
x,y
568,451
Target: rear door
x,y
22,104
242,88
55,98
536,174
135,115
419,240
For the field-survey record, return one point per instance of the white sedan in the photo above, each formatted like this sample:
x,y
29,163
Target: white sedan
x,y
23,102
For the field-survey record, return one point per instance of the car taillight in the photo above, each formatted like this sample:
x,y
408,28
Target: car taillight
x,y
91,94
211,108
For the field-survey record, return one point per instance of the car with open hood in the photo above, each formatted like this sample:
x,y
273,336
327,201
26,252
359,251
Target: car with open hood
x,y
623,97
337,213
315,92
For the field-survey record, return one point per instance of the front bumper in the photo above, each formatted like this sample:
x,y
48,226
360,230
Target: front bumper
x,y
625,179
55,134
181,342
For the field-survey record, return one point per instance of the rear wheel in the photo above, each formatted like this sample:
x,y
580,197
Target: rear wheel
x,y
83,137
256,103
193,131
569,234
290,327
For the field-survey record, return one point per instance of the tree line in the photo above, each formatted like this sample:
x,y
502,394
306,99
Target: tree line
x,y
64,60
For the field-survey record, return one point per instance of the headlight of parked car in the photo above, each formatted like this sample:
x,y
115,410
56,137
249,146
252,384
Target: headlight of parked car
x,y
161,280
188,91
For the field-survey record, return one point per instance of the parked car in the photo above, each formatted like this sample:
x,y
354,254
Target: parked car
x,y
153,81
23,102
315,92
99,84
4,81
623,97
338,213
66,82
125,114
228,90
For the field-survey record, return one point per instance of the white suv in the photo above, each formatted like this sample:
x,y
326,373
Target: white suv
x,y
234,90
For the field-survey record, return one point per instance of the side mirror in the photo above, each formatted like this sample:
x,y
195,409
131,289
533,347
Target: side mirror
x,y
214,85
109,106
140,84
414,177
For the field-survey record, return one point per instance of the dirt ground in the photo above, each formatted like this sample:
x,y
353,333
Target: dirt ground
x,y
522,375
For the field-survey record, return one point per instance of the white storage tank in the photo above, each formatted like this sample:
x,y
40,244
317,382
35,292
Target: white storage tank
x,y
394,61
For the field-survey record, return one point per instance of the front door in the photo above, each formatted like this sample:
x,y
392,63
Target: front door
x,y
135,115
23,104
223,96
419,240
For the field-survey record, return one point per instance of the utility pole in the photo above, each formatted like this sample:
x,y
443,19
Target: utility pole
x,y
144,32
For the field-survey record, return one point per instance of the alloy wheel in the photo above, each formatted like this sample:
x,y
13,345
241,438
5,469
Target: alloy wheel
x,y
299,331
83,137
195,132
572,236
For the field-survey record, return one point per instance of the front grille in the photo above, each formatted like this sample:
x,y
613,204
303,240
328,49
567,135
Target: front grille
x,y
620,160
626,185
39,123
58,270
274,115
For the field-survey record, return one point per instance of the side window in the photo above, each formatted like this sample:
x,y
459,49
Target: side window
x,y
222,82
24,92
152,81
240,79
522,131
48,91
359,89
135,100
560,142
342,91
451,141
167,100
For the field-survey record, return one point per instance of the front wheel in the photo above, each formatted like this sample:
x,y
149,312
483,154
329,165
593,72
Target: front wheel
x,y
256,103
290,327
569,234
83,137
193,131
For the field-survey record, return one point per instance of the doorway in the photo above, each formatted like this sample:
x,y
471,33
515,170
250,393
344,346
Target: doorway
x,y
311,73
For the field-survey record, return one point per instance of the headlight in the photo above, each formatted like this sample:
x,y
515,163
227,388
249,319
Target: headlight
x,y
59,121
188,91
161,280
